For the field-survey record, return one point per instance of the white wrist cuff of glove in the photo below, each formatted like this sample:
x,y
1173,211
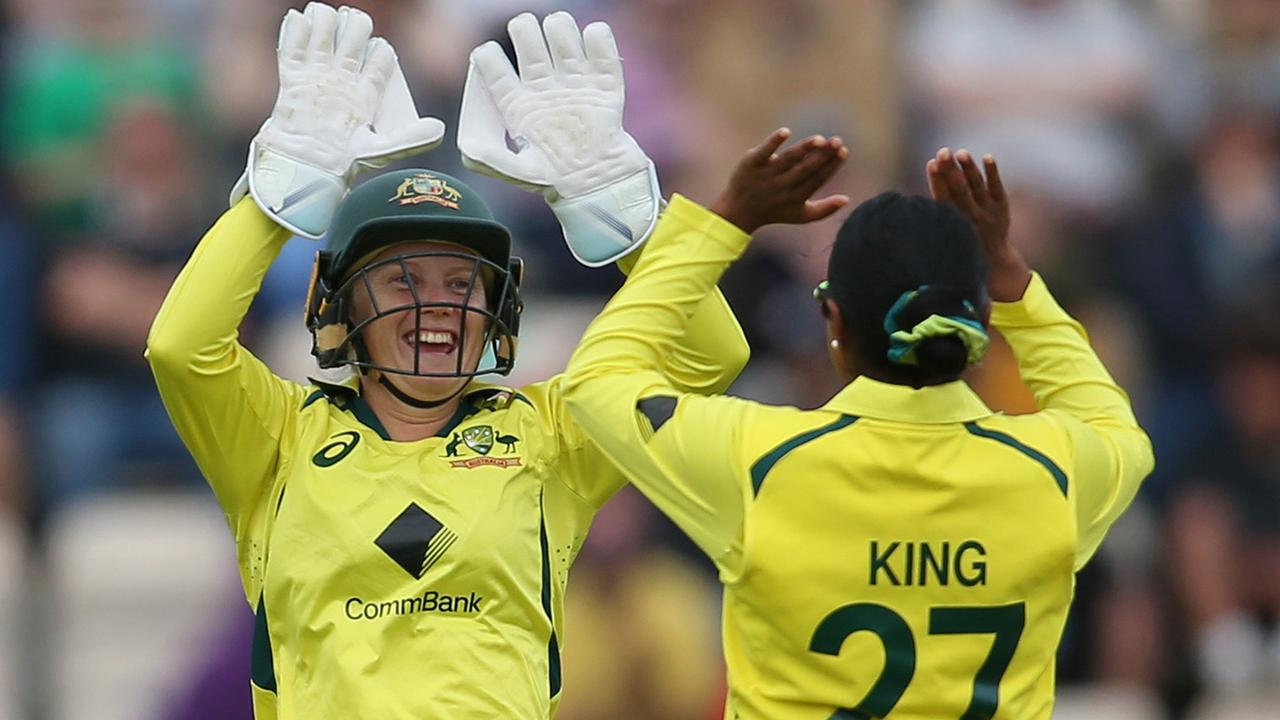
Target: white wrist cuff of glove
x,y
607,224
300,197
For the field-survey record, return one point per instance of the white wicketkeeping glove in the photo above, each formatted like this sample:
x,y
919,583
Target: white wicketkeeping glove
x,y
343,107
556,128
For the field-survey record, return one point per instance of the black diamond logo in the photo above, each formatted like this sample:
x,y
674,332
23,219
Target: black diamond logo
x,y
415,540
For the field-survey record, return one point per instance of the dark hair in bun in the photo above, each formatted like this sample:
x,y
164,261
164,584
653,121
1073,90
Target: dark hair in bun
x,y
897,262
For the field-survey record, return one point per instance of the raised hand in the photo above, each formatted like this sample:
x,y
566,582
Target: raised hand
x,y
555,127
769,186
956,179
343,106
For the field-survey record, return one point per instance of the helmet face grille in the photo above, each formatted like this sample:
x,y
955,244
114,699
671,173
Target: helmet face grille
x,y
339,337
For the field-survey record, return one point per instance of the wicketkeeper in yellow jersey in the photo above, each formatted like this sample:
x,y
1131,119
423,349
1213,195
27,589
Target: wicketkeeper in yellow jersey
x,y
405,535
902,551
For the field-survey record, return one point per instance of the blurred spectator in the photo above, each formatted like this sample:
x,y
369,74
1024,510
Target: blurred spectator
x,y
1234,220
1209,242
1245,49
99,416
1225,517
98,120
1036,82
749,66
1216,52
1201,269
16,316
641,624
61,94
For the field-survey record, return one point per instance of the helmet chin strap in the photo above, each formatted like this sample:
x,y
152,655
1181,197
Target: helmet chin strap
x,y
411,401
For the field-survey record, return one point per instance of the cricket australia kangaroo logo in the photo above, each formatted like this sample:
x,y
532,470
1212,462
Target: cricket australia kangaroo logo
x,y
415,540
481,439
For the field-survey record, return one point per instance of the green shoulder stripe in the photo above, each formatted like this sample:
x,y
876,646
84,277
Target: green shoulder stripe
x,y
1058,476
762,466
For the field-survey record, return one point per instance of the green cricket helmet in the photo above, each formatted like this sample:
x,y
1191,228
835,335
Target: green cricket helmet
x,y
400,207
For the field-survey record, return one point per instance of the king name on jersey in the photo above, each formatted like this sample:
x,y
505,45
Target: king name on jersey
x,y
919,562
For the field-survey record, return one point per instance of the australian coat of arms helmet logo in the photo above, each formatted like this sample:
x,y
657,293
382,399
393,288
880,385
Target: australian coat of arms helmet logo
x,y
425,187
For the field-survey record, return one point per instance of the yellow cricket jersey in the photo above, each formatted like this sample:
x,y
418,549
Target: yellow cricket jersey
x,y
896,553
391,579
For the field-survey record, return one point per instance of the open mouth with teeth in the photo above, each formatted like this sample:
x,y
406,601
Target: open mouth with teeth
x,y
431,342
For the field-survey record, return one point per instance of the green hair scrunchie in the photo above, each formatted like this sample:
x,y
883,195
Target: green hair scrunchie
x,y
903,343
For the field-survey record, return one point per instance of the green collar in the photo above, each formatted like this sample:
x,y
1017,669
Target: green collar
x,y
346,396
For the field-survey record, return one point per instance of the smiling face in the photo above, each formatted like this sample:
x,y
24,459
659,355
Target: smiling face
x,y
442,338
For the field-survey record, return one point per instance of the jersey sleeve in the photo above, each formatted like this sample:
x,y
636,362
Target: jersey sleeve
x,y
679,449
230,410
1110,453
713,350
704,359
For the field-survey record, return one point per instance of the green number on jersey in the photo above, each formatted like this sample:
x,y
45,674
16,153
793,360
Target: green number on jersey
x,y
1004,621
899,653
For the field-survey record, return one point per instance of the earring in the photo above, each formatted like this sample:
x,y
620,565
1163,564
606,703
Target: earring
x,y
835,344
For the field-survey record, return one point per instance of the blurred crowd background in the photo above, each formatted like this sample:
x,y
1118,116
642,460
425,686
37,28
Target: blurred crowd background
x,y
1141,142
